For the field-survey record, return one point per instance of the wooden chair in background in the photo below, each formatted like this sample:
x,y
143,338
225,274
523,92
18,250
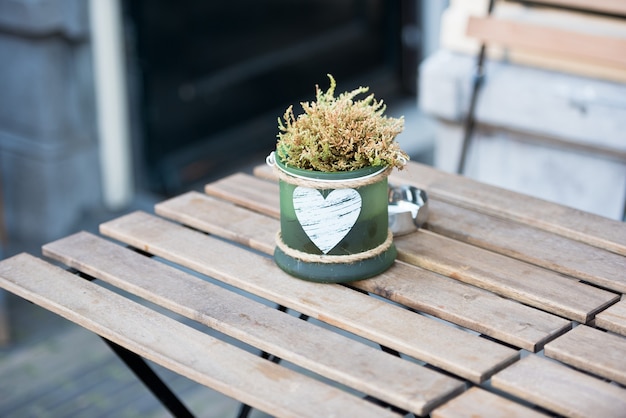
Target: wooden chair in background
x,y
546,41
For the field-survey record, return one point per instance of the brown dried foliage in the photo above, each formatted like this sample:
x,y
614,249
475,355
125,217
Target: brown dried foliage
x,y
340,133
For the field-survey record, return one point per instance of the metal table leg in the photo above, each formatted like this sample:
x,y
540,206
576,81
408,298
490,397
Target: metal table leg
x,y
149,378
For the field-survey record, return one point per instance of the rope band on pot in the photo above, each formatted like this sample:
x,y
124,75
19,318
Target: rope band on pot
x,y
330,259
321,184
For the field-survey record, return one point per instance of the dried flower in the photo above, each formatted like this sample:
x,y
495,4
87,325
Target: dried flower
x,y
340,133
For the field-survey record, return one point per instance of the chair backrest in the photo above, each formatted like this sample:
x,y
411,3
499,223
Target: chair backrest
x,y
614,7
580,44
601,44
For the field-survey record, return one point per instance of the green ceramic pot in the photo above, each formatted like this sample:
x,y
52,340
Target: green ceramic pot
x,y
329,221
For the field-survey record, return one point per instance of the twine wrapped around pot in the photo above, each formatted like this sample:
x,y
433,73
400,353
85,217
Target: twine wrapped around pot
x,y
324,184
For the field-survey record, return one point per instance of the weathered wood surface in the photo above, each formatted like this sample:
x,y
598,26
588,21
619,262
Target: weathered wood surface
x,y
561,389
361,367
491,200
478,225
198,356
265,193
576,259
231,222
446,298
476,402
592,350
508,238
503,275
614,318
474,288
467,306
470,357
562,220
244,190
617,7
454,22
603,50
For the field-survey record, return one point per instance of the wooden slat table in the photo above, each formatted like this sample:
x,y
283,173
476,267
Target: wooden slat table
x,y
503,305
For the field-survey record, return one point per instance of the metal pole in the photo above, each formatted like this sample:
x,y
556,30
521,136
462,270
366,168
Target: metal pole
x,y
149,378
470,120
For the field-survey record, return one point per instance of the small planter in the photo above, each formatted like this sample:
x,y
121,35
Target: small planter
x,y
334,226
332,161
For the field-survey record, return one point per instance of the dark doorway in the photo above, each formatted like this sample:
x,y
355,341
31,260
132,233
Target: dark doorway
x,y
214,76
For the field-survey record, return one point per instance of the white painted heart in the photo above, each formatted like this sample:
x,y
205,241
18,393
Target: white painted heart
x,y
326,221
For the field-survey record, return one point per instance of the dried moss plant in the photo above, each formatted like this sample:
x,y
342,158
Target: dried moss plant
x,y
340,133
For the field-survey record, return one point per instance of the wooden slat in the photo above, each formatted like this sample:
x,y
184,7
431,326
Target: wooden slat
x,y
614,318
471,357
482,198
244,190
266,193
509,238
445,298
562,220
454,37
560,389
592,350
552,40
366,369
617,7
477,402
204,359
505,276
264,171
531,245
466,306
227,221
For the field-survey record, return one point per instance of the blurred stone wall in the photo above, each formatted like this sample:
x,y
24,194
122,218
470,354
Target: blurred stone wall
x,y
49,165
